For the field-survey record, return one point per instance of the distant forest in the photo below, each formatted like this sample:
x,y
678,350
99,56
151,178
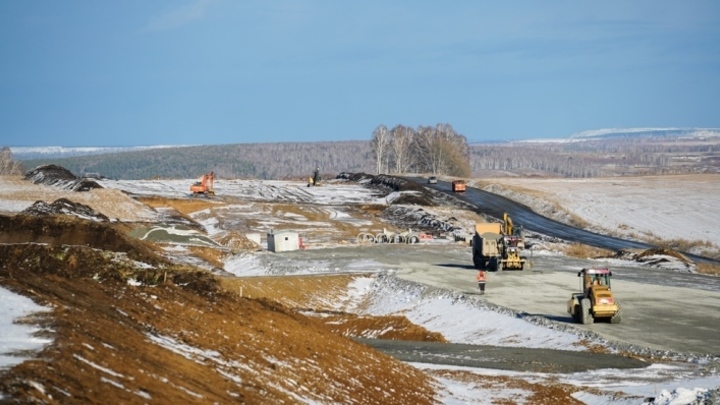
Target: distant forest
x,y
617,156
259,160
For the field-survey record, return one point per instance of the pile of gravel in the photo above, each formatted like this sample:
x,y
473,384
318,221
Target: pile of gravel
x,y
57,176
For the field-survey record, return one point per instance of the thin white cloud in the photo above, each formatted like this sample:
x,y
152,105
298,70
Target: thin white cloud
x,y
179,17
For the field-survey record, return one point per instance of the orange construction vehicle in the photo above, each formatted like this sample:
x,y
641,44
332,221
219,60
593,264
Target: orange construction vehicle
x,y
458,185
204,186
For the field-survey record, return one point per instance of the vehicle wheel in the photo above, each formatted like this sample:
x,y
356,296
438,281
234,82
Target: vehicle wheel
x,y
616,318
585,311
576,314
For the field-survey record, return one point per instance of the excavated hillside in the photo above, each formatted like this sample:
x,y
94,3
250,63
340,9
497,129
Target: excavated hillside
x,y
130,326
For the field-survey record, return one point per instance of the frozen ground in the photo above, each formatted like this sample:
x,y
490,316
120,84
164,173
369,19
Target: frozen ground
x,y
652,207
651,201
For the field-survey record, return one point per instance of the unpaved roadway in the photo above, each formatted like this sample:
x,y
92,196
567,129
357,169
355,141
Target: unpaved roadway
x,y
662,310
502,358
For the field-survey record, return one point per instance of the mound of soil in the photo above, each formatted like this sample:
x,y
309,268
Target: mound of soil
x,y
356,177
58,176
65,230
420,220
66,207
411,192
656,257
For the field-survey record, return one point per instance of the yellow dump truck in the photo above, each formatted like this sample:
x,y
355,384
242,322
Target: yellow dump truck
x,y
497,246
485,243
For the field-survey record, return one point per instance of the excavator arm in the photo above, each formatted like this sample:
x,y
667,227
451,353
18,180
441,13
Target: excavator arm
x,y
509,227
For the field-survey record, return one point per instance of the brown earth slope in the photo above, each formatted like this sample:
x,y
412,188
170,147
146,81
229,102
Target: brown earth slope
x,y
131,332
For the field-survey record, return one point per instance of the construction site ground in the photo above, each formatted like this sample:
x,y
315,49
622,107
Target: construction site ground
x,y
161,320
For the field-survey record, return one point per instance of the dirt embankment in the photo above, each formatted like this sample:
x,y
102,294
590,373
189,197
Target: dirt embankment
x,y
165,333
68,230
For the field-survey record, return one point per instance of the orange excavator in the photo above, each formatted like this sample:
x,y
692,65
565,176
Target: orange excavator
x,y
204,186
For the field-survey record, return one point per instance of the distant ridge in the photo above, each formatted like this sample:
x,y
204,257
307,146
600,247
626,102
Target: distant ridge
x,y
634,132
607,133
54,152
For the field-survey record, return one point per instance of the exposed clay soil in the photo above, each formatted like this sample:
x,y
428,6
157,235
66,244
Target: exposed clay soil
x,y
102,321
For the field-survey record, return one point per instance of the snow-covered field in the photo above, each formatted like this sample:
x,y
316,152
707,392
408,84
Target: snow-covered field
x,y
666,209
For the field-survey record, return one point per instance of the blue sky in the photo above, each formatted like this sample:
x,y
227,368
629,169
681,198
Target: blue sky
x,y
136,72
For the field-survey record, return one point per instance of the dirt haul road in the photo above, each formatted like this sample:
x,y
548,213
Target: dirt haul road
x,y
673,312
655,315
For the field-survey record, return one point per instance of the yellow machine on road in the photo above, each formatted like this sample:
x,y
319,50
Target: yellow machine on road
x,y
596,299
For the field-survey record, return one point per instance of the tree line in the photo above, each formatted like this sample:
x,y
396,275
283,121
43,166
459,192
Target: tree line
x,y
259,160
436,150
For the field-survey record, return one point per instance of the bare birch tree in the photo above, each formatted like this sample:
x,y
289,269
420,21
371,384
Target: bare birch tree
x,y
440,150
7,164
380,146
401,139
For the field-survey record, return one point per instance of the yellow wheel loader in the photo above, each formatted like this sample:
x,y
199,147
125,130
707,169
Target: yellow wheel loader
x,y
596,301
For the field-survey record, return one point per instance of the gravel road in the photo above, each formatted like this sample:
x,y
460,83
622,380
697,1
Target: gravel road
x,y
675,314
656,314
501,358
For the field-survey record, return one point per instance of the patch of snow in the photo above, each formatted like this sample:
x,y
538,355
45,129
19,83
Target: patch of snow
x,y
16,337
98,367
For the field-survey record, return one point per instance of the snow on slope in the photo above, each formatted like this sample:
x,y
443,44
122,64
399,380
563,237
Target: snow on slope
x,y
332,192
17,337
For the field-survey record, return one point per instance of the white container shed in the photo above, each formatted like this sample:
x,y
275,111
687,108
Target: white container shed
x,y
283,241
